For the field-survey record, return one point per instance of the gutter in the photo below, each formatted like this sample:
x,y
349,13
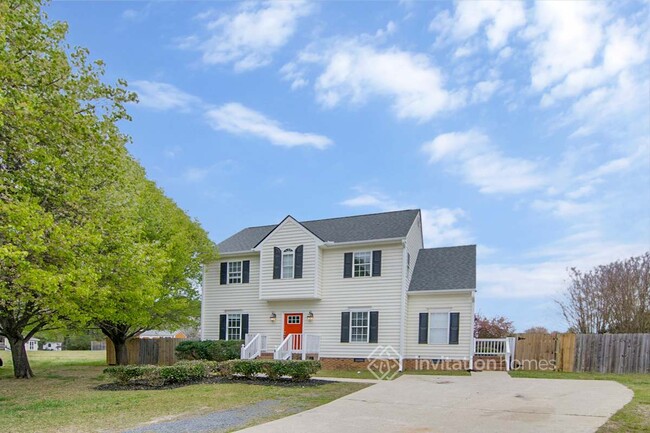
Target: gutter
x,y
332,244
431,292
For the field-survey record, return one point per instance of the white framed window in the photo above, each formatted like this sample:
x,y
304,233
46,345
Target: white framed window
x,y
362,264
233,323
287,263
439,328
359,326
234,272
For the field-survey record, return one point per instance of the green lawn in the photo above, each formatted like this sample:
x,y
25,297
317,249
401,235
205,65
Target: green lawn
x,y
634,417
61,397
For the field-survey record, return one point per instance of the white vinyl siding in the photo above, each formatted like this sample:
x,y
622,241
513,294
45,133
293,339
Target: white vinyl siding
x,y
289,235
446,303
339,294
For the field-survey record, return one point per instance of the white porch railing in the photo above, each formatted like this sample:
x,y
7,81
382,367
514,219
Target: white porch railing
x,y
496,347
284,350
253,346
302,344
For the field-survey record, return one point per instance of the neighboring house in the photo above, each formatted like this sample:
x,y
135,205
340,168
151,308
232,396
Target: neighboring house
x,y
153,334
30,345
53,345
343,287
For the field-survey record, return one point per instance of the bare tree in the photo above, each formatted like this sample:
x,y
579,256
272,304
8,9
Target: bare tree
x,y
536,330
609,298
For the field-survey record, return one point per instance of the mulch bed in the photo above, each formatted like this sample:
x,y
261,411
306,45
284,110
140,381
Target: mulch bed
x,y
259,381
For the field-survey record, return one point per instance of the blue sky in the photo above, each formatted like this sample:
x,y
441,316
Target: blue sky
x,y
523,127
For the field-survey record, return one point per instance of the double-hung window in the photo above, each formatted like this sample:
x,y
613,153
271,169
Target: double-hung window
x,y
362,264
359,325
287,263
234,272
438,328
233,322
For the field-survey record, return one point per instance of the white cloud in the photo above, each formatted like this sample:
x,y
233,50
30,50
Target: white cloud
x,y
357,69
547,274
473,157
195,174
163,96
498,18
238,119
440,226
484,90
248,38
567,36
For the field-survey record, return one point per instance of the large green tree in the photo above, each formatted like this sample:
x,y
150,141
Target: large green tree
x,y
59,150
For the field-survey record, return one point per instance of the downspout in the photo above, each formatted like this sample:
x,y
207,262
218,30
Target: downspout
x,y
402,313
473,345
202,302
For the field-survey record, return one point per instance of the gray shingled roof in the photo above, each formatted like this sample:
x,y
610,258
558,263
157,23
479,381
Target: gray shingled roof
x,y
385,225
445,269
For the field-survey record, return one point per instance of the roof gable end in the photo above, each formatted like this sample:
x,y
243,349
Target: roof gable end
x,y
286,219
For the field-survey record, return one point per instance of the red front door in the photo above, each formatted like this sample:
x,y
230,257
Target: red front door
x,y
293,325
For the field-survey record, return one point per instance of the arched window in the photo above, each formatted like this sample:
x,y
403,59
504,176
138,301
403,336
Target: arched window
x,y
287,263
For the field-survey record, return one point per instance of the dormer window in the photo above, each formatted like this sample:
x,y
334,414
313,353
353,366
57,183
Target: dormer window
x,y
287,263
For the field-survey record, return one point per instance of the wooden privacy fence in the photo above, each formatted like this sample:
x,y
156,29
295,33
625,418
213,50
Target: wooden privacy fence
x,y
604,353
157,351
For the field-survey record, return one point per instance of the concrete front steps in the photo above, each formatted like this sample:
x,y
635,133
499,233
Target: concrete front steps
x,y
490,363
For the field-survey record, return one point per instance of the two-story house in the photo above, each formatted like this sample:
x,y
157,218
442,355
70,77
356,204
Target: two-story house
x,y
339,288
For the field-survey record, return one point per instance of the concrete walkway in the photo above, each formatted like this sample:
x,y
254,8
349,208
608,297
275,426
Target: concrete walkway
x,y
485,402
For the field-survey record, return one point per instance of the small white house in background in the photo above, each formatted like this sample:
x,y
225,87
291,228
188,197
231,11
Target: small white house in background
x,y
154,334
30,345
53,345
340,289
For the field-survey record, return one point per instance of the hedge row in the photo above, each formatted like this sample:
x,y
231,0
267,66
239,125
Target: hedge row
x,y
190,371
273,369
209,350
156,375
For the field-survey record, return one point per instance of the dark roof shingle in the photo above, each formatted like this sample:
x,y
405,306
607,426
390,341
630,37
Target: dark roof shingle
x,y
445,268
385,225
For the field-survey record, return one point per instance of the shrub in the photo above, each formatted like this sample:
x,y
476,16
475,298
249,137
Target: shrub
x,y
154,375
210,350
124,374
273,369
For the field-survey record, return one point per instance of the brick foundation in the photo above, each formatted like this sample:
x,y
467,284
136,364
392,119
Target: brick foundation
x,y
408,364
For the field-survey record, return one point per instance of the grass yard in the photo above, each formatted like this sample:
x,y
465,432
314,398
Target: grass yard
x,y
61,397
634,417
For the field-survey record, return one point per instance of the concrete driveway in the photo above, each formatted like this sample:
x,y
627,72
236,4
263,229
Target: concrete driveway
x,y
484,402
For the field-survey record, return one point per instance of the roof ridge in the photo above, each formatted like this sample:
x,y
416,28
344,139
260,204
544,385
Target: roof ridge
x,y
451,246
332,218
356,216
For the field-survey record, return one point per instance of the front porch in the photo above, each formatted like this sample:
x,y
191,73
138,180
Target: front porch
x,y
294,346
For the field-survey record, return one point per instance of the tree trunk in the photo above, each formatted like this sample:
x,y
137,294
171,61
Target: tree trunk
x,y
22,370
121,354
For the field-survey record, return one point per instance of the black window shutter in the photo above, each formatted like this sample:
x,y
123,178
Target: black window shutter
x,y
345,327
374,327
223,278
423,334
454,321
376,263
244,326
222,327
277,263
246,271
347,265
297,266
